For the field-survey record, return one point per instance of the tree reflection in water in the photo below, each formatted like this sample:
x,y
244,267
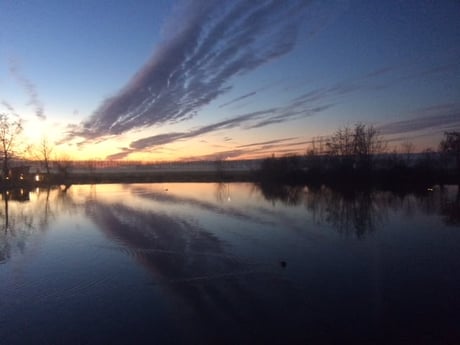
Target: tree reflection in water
x,y
289,195
450,206
16,224
362,211
223,192
351,212
21,217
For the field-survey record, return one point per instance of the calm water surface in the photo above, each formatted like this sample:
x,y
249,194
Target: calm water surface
x,y
229,263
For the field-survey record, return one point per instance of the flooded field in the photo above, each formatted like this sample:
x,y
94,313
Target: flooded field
x,y
208,263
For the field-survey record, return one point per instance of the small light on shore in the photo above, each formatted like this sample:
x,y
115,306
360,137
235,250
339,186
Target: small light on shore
x,y
37,178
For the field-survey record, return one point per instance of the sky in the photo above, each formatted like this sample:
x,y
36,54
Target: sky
x,y
229,79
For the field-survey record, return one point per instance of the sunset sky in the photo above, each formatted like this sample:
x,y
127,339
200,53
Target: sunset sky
x,y
197,79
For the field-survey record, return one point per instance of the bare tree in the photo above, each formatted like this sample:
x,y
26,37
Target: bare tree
x,y
341,143
45,151
219,169
367,142
356,146
9,131
450,145
318,146
407,148
63,165
91,165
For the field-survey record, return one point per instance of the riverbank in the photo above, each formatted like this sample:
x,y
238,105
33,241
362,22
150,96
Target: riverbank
x,y
274,171
129,177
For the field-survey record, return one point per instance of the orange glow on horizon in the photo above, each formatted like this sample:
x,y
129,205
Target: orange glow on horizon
x,y
206,147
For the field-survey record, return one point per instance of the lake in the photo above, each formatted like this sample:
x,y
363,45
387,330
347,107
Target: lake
x,y
209,263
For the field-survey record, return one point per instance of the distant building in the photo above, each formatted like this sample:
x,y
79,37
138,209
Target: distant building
x,y
19,173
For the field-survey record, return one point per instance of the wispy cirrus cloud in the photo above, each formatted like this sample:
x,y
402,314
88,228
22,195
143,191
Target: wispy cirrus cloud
x,y
237,99
125,151
248,121
212,43
8,107
307,104
281,146
291,112
432,118
221,155
246,95
269,142
167,138
29,88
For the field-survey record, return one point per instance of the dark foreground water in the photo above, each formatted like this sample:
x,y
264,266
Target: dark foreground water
x,y
229,263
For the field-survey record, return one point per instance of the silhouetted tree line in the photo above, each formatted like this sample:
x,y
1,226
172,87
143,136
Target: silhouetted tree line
x,y
282,169
352,155
359,156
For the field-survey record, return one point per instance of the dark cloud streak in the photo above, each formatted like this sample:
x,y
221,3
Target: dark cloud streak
x,y
166,138
270,142
433,117
30,89
253,93
9,107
